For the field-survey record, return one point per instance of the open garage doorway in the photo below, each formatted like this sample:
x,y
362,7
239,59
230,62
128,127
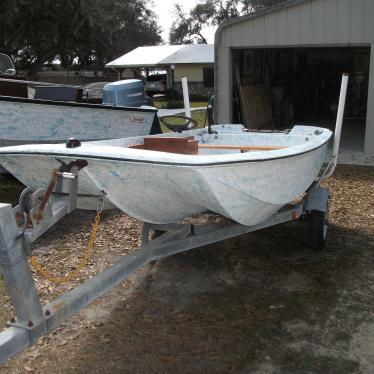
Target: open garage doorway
x,y
277,87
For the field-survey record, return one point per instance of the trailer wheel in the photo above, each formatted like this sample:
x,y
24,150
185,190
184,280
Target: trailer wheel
x,y
318,224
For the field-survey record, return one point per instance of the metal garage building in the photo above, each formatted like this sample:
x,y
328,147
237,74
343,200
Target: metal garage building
x,y
291,58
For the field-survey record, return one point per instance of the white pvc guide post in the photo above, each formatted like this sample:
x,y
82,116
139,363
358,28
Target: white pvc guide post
x,y
186,98
338,126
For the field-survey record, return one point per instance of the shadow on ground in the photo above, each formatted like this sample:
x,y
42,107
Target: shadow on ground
x,y
262,303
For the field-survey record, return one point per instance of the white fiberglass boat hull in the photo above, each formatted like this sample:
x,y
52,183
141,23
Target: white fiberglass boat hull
x,y
159,187
24,121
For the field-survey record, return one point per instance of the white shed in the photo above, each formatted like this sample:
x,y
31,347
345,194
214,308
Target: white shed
x,y
192,61
294,54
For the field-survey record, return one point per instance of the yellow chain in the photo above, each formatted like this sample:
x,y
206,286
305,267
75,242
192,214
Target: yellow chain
x,y
73,274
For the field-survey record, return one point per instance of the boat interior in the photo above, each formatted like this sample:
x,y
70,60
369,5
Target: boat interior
x,y
191,146
227,140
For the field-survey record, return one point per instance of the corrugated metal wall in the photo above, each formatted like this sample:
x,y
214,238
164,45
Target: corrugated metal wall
x,y
300,24
314,22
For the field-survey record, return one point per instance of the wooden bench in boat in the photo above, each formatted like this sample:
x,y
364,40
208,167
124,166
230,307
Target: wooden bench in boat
x,y
189,146
186,145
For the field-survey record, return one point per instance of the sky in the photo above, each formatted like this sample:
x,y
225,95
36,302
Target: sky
x,y
164,11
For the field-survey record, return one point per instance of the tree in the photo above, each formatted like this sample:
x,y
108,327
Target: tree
x,y
250,6
121,26
85,33
188,28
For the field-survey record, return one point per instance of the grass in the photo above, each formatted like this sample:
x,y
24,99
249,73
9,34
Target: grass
x,y
162,104
199,116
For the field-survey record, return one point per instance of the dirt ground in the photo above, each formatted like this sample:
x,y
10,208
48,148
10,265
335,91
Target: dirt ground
x,y
260,303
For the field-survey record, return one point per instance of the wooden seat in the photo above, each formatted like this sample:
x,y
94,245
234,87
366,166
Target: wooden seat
x,y
181,145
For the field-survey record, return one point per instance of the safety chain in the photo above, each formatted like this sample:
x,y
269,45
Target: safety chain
x,y
73,274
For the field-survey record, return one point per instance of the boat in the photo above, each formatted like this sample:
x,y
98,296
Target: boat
x,y
245,176
24,120
37,112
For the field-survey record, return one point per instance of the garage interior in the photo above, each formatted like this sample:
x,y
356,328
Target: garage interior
x,y
277,87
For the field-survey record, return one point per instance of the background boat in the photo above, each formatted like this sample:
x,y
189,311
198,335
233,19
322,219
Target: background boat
x,y
33,121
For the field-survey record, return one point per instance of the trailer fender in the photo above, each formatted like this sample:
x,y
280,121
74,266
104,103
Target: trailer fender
x,y
317,199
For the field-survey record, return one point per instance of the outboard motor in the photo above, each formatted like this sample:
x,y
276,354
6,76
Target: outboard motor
x,y
129,92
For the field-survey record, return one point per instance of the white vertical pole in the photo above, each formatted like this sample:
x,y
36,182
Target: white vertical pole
x,y
338,126
186,98
340,115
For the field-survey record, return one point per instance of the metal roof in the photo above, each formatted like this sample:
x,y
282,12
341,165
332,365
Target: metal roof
x,y
165,55
144,56
192,54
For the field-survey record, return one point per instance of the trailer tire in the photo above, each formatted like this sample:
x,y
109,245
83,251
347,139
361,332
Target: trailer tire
x,y
317,229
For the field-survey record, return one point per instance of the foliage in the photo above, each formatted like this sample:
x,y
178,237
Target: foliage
x,y
174,104
256,5
86,33
188,27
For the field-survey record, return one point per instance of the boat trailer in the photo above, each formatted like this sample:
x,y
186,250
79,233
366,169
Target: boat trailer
x,y
22,225
40,209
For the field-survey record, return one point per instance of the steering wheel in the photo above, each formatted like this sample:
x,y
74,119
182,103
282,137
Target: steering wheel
x,y
189,123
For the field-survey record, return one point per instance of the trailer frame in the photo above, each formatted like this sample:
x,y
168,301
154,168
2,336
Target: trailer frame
x,y
33,319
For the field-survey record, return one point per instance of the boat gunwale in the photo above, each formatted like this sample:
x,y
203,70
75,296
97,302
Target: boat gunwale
x,y
74,104
209,163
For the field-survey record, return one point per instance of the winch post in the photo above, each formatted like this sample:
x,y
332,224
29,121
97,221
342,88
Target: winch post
x,y
14,250
73,191
16,270
31,319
